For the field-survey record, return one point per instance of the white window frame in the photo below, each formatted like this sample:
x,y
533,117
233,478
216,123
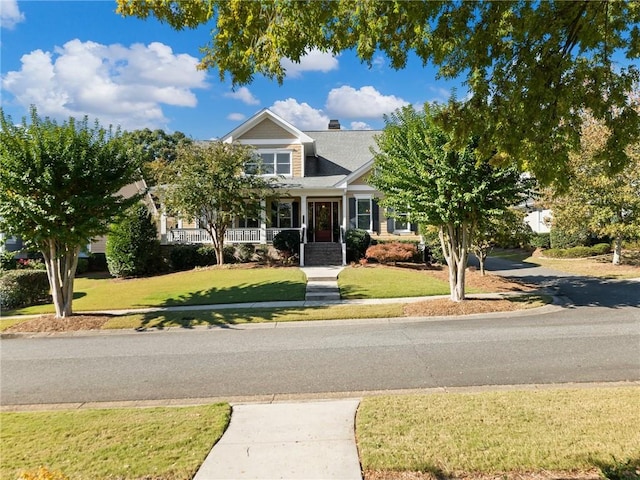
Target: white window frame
x,y
363,198
399,231
274,164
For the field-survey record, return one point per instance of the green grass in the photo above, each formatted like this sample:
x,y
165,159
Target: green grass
x,y
499,432
383,282
195,287
255,315
167,443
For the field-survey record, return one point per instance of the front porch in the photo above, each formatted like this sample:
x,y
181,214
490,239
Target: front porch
x,y
320,219
233,235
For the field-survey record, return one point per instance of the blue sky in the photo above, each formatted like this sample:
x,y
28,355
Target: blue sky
x,y
76,58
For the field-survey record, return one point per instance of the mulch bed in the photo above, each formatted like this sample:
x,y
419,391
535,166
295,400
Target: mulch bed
x,y
48,323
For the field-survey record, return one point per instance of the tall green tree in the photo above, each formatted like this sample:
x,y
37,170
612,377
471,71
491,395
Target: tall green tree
x,y
207,181
531,67
602,203
59,188
452,190
156,145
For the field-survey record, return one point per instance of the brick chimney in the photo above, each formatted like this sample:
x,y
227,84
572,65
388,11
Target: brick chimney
x,y
334,124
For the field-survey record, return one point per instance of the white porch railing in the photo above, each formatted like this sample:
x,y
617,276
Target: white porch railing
x,y
232,235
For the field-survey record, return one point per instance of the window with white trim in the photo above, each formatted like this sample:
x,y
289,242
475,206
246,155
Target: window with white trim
x,y
364,213
272,162
402,222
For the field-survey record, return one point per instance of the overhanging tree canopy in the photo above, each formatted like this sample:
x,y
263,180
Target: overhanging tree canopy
x,y
59,185
531,67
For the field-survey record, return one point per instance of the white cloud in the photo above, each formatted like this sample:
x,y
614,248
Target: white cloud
x,y
301,115
367,102
236,117
360,126
10,14
115,84
315,61
244,95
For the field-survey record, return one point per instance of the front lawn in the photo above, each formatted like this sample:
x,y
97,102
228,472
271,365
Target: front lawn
x,y
378,281
195,287
494,433
159,443
161,320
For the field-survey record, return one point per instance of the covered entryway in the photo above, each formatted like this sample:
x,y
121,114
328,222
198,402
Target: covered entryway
x,y
324,220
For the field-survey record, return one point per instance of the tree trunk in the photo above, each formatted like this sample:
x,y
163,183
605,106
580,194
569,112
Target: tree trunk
x,y
61,262
481,255
455,244
617,250
482,259
217,234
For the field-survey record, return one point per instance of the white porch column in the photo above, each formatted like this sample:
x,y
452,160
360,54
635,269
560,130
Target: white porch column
x,y
163,227
263,222
303,224
303,210
345,215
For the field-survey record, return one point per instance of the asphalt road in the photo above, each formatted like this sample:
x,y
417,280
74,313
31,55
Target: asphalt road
x,y
596,339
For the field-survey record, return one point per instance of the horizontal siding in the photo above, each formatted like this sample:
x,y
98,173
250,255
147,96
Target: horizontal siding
x,y
267,130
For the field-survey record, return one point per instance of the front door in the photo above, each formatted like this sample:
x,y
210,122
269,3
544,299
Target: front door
x,y
322,224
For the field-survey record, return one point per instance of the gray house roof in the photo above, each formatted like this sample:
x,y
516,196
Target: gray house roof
x,y
339,152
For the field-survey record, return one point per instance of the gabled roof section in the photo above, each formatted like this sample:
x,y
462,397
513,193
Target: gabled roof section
x,y
266,115
363,169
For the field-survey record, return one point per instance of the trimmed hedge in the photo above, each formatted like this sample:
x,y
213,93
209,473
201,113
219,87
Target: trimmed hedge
x,y
578,252
20,288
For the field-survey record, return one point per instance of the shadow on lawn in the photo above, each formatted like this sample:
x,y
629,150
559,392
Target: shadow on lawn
x,y
224,318
242,293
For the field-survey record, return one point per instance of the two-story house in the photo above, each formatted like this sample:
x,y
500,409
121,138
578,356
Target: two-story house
x,y
324,190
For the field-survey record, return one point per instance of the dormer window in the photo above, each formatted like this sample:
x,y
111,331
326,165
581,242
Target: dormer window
x,y
272,162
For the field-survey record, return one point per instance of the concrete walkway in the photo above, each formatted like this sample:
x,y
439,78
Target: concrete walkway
x,y
306,440
322,283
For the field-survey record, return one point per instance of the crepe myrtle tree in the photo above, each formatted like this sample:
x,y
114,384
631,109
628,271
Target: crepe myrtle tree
x,y
60,184
531,67
451,189
215,182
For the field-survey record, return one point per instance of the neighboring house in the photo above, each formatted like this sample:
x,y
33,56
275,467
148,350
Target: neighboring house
x,y
10,244
323,190
539,220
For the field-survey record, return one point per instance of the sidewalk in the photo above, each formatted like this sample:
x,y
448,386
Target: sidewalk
x,y
306,440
